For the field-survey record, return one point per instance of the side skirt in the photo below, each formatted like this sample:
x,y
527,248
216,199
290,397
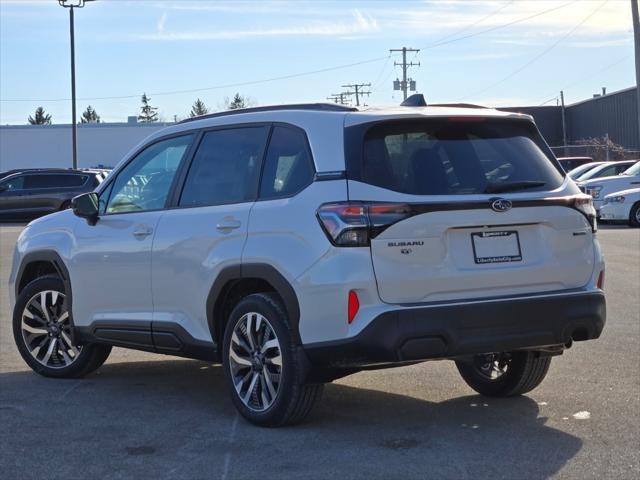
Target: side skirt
x,y
158,337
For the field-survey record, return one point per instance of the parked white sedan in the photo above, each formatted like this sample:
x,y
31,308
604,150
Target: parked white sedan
x,y
622,206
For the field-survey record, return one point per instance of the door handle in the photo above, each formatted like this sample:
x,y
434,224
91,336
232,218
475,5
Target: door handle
x,y
227,224
142,231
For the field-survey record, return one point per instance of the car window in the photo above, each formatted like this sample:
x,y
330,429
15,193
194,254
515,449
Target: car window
x,y
225,167
288,166
11,184
620,167
145,182
49,180
453,157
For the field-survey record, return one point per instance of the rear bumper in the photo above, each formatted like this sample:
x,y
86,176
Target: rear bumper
x,y
458,329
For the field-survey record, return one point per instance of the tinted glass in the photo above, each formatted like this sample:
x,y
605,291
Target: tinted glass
x,y
16,183
288,166
225,167
455,157
54,180
145,182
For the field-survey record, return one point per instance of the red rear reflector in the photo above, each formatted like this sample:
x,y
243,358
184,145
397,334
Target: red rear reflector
x,y
600,283
354,305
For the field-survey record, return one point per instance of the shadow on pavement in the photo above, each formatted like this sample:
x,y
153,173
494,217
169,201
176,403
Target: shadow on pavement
x,y
173,419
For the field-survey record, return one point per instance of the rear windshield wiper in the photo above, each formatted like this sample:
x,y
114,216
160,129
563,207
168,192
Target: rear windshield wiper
x,y
512,186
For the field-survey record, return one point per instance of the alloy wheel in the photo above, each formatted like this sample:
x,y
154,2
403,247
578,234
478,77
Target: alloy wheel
x,y
492,366
255,360
46,330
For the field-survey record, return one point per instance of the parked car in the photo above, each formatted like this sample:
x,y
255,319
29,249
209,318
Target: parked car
x,y
569,163
598,188
623,206
608,169
32,193
299,244
582,169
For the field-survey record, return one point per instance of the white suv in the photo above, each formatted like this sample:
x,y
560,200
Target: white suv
x,y
299,244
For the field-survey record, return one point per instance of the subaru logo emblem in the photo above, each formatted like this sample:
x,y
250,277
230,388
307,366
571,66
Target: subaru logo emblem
x,y
501,205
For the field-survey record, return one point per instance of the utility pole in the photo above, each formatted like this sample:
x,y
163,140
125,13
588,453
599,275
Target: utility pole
x,y
636,36
340,98
564,125
71,4
412,84
357,87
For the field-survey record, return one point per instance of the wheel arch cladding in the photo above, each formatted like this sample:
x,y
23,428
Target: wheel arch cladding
x,y
38,264
237,281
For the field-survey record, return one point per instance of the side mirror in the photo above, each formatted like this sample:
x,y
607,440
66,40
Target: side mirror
x,y
86,206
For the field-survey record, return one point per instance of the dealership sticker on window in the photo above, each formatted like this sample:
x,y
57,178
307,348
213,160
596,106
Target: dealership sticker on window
x,y
496,247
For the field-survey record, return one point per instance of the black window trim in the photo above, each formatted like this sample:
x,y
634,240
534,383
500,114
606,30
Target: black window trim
x,y
173,198
354,142
115,174
311,161
252,194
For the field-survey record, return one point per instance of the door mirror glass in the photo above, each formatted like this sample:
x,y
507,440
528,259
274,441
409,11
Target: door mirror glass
x,y
86,206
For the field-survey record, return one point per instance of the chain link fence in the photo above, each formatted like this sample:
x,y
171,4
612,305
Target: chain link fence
x,y
597,152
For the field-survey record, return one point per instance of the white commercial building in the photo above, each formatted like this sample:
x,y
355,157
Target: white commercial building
x,y
99,144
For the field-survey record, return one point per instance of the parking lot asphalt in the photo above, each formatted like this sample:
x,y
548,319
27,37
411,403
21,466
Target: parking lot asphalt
x,y
150,416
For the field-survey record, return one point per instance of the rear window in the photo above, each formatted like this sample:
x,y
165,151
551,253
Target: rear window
x,y
445,157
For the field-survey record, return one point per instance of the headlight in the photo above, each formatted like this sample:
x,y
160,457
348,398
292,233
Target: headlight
x,y
616,199
594,191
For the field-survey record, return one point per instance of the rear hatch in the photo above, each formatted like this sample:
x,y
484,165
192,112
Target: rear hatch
x,y
463,208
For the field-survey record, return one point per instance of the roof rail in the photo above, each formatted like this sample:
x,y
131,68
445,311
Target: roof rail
x,y
458,105
320,107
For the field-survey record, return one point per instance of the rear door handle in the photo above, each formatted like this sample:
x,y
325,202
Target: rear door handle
x,y
227,224
142,231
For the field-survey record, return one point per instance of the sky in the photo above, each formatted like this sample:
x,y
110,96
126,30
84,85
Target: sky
x,y
494,53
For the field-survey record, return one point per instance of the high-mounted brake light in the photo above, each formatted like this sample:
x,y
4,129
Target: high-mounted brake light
x,y
353,307
354,224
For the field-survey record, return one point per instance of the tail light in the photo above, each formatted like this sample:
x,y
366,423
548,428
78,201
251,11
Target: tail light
x,y
600,282
584,204
354,224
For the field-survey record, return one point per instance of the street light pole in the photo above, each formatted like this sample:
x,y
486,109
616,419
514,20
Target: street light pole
x,y
74,127
70,4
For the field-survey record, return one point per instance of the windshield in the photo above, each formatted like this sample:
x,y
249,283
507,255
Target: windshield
x,y
582,169
455,156
634,170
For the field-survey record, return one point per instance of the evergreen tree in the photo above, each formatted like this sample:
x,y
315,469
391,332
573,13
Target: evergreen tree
x,y
90,116
238,102
40,117
148,113
198,108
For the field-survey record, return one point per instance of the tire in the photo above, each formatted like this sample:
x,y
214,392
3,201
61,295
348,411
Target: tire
x,y
70,361
634,215
524,372
254,373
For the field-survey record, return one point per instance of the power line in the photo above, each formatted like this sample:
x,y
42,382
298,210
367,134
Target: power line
x,y
584,78
299,74
539,55
471,25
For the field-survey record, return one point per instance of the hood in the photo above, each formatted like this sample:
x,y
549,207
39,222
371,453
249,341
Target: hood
x,y
630,191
